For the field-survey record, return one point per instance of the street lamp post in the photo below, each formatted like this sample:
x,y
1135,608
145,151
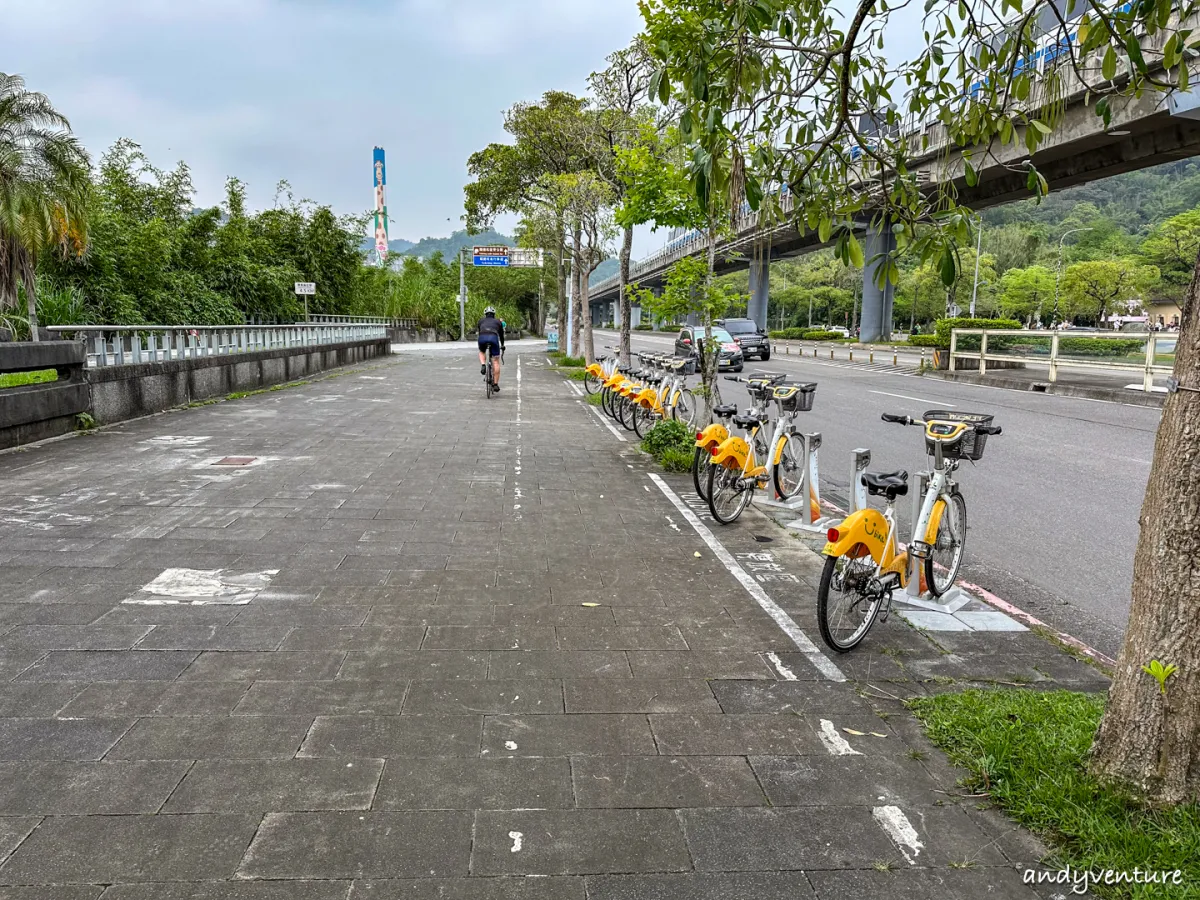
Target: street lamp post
x,y
1058,277
978,253
462,294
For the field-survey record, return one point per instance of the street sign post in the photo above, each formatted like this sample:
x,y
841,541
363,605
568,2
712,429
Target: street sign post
x,y
491,256
306,289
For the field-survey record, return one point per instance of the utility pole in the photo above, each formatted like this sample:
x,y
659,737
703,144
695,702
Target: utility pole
x,y
462,295
978,253
1058,277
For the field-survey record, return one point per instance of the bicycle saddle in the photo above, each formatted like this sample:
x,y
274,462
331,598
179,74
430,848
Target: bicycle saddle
x,y
748,421
889,484
728,409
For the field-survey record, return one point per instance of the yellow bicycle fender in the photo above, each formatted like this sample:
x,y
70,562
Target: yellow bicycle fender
x,y
935,521
615,381
595,371
648,398
867,527
779,449
732,453
712,436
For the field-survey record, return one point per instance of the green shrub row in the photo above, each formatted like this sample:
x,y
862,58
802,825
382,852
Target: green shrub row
x,y
806,334
923,340
672,444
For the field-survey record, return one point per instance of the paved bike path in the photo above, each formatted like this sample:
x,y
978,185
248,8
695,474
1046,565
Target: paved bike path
x,y
377,637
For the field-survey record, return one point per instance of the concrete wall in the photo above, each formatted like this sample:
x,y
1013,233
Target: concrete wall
x,y
125,392
413,335
38,411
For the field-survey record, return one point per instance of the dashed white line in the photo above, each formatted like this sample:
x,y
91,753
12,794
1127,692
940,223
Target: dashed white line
x,y
609,425
834,742
820,661
916,399
893,821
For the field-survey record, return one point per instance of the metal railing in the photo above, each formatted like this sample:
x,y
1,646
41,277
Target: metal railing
x,y
361,320
109,345
1068,349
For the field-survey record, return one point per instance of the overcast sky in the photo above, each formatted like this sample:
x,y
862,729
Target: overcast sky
x,y
304,89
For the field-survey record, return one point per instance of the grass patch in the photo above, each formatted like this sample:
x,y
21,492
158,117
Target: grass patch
x,y
573,362
1028,751
676,459
19,379
595,399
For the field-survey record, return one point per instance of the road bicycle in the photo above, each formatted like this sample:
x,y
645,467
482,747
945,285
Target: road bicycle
x,y
863,565
742,465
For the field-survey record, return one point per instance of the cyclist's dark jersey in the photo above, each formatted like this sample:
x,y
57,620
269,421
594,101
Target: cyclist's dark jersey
x,y
491,325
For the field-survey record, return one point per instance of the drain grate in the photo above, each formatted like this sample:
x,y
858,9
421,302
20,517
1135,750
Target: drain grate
x,y
235,461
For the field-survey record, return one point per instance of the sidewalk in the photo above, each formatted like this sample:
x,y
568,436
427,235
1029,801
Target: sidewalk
x,y
377,637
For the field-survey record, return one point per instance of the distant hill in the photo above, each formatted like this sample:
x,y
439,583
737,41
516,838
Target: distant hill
x,y
450,246
606,269
400,246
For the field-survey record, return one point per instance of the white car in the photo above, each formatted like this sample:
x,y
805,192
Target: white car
x,y
838,329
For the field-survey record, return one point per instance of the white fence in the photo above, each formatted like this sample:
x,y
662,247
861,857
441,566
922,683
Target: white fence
x,y
1059,349
120,346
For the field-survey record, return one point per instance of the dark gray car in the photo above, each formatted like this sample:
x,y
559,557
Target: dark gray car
x,y
747,335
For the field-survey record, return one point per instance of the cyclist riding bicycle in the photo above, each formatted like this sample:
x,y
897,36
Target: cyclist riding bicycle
x,y
491,334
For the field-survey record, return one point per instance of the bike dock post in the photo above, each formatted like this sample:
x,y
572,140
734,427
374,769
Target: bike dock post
x,y
810,491
858,490
951,601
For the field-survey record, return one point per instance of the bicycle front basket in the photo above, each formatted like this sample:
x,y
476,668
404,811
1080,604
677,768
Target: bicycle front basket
x,y
796,397
970,443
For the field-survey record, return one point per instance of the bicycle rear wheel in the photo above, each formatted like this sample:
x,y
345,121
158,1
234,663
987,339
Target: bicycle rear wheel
x,y
488,384
946,555
727,497
845,613
643,420
629,409
700,465
591,383
789,473
684,409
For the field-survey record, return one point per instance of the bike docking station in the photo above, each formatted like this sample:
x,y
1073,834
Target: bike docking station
x,y
912,596
808,499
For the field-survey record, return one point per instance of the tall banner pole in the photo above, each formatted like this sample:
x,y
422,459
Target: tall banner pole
x,y
379,167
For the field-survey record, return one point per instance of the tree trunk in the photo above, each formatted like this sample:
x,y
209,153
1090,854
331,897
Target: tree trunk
x,y
1149,740
710,353
589,344
29,279
577,302
561,314
626,306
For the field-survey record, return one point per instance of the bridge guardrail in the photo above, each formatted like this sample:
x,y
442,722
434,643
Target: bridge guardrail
x,y
109,345
361,320
1147,353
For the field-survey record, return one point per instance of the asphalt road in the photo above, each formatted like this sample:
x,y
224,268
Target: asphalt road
x,y
1053,506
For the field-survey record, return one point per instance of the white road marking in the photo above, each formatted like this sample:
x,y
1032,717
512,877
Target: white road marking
x,y
893,821
784,672
518,839
917,399
834,742
202,587
820,661
609,425
510,745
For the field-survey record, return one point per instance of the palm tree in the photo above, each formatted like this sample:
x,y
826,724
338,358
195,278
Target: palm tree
x,y
44,185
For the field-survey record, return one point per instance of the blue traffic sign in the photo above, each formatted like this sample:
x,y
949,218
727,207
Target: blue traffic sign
x,y
492,260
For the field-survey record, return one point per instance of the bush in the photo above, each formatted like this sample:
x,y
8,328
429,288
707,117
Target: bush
x,y
675,459
817,334
643,327
945,326
1083,346
788,334
669,435
923,340
806,334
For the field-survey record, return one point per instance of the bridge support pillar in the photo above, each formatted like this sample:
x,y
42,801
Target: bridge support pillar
x,y
876,318
760,288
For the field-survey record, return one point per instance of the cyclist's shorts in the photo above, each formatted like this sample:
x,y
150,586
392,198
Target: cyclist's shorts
x,y
489,340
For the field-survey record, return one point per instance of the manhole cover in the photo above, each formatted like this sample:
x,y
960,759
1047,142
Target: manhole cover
x,y
235,461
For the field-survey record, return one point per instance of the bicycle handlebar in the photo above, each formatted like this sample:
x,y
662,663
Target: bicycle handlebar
x,y
989,429
898,420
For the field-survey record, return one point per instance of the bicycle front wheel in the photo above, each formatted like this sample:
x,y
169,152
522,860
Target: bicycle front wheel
x,y
700,466
684,408
845,613
727,496
643,420
628,411
789,471
947,547
591,383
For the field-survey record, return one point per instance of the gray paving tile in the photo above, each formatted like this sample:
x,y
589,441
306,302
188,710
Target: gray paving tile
x,y
360,845
772,840
567,735
382,737
35,739
507,665
651,637
581,616
364,637
923,884
752,886
302,614
861,781
86,788
415,665
214,637
669,782
639,695
139,698
578,842
214,737
519,697
323,698
115,849
252,665
137,614
225,890
429,614
103,665
12,832
475,784
789,697
515,888
52,892
52,613
492,637
14,662
710,664
34,699
718,735
214,786
72,637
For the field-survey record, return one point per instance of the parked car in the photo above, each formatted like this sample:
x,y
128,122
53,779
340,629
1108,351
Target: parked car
x,y
690,339
747,335
839,329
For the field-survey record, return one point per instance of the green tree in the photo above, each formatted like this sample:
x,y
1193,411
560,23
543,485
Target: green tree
x,y
1024,293
1093,290
44,187
1174,245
